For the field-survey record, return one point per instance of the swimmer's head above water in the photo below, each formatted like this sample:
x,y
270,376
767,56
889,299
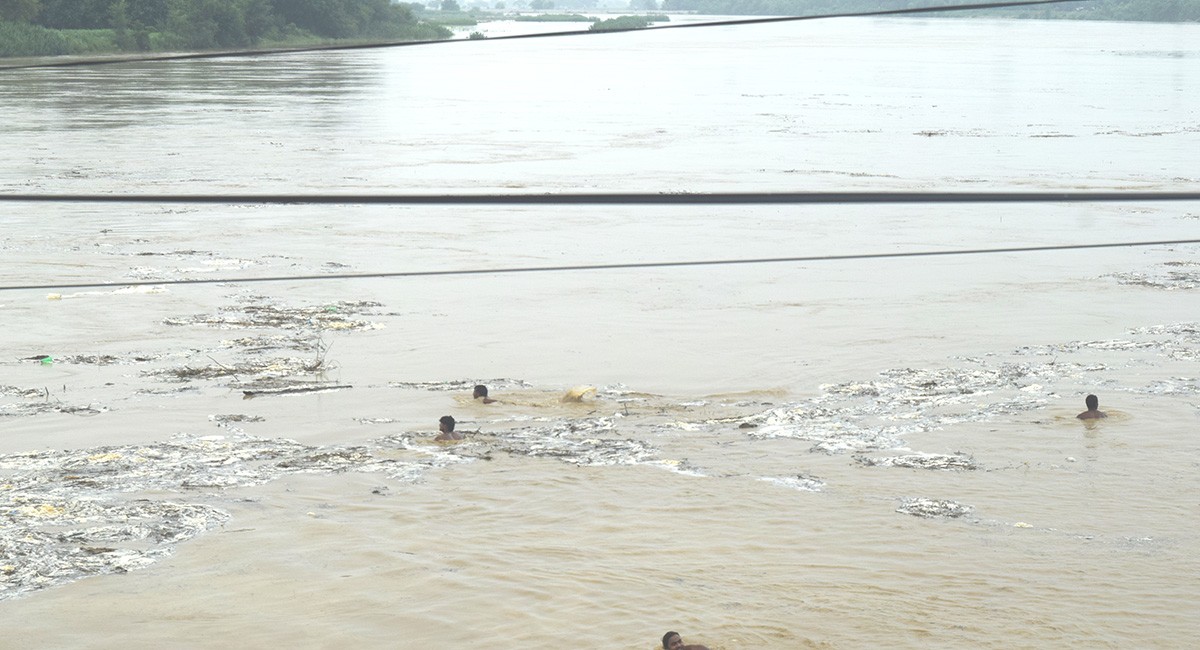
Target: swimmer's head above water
x,y
1093,409
481,393
446,429
672,641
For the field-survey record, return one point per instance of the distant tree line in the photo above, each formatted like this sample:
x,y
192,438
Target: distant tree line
x,y
205,24
1169,11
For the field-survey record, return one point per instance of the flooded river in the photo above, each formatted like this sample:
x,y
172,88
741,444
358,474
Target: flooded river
x,y
847,454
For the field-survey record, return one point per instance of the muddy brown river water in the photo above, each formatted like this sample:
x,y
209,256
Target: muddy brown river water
x,y
852,454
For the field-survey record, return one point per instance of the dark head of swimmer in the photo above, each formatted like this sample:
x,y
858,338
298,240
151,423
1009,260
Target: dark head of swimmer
x,y
1093,409
672,641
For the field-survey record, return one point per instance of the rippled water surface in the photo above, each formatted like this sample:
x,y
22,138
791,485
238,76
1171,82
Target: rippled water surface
x,y
841,454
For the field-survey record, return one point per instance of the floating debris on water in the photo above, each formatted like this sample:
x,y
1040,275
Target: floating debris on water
x,y
90,359
256,370
106,359
797,482
271,343
329,460
1172,386
860,416
236,417
931,508
82,410
98,359
681,466
212,265
459,384
427,456
56,542
261,314
283,387
1170,276
579,442
127,290
166,391
922,461
591,452
1189,331
184,461
178,253
1183,343
68,514
587,442
44,404
1075,346
13,391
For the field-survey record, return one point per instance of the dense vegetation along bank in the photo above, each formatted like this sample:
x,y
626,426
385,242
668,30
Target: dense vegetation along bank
x,y
55,27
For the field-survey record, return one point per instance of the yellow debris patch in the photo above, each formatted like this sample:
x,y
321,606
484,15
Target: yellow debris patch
x,y
45,510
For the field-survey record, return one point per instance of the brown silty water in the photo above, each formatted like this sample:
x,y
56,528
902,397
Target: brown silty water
x,y
828,454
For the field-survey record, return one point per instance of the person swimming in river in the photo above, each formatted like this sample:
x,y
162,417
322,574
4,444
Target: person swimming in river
x,y
672,641
446,429
480,394
1093,411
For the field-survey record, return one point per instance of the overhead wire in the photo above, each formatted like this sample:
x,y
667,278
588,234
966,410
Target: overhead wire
x,y
595,267
615,198
391,44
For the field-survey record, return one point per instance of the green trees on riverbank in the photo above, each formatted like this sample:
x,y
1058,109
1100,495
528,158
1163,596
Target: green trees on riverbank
x,y
1169,11
48,27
